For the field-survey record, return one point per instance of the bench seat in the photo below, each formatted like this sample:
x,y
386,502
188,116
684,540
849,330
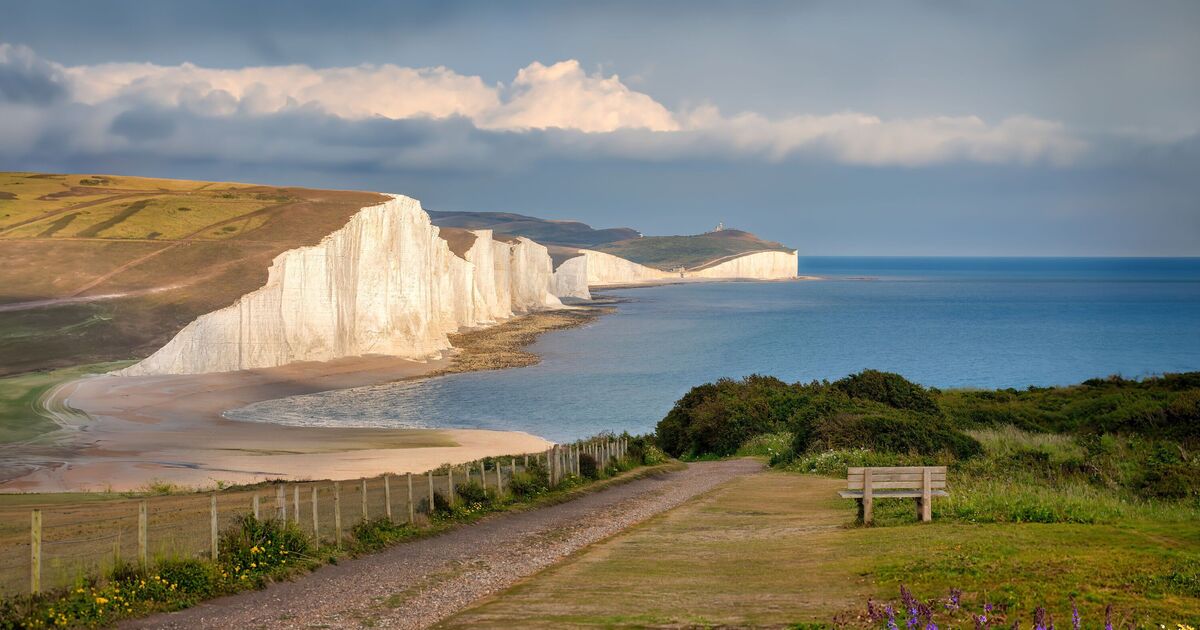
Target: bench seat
x,y
892,494
865,484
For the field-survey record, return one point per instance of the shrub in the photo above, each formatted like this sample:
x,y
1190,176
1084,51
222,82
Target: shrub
x,y
891,433
529,483
587,466
471,492
253,548
379,533
890,389
716,418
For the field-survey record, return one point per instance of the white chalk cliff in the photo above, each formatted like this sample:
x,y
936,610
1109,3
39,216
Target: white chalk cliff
x,y
387,283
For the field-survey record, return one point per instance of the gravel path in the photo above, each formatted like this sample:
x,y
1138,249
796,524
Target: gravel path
x,y
415,585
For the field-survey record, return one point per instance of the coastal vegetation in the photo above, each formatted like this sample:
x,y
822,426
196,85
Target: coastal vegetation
x,y
1060,496
257,551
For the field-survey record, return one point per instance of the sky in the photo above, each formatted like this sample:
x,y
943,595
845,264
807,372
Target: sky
x,y
930,128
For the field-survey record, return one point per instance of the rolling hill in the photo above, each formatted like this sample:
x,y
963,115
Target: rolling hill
x,y
661,252
98,267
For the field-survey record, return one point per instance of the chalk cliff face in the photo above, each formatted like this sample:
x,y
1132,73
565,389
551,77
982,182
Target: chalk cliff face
x,y
571,279
385,283
605,269
759,265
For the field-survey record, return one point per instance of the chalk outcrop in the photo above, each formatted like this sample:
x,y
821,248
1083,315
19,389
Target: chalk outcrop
x,y
571,279
606,269
771,265
387,283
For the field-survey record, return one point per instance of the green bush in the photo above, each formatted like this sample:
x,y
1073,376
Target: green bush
x,y
889,389
378,533
471,492
530,483
587,466
894,432
253,548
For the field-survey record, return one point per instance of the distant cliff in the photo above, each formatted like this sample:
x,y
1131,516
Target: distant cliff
x,y
389,282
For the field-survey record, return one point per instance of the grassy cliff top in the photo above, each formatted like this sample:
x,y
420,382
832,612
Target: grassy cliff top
x,y
670,252
544,231
103,267
663,252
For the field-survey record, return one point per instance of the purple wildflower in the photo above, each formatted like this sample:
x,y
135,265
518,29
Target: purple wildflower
x,y
1039,619
891,618
1075,621
1108,617
980,622
955,596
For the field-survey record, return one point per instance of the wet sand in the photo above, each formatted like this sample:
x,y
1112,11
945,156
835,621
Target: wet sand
x,y
121,433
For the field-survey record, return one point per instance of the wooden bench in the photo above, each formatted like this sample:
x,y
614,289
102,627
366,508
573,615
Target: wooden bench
x,y
900,482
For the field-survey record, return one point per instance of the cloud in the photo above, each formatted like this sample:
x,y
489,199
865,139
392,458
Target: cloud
x,y
25,78
563,96
547,110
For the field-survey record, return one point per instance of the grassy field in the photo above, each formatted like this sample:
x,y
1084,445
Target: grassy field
x,y
781,548
97,268
669,252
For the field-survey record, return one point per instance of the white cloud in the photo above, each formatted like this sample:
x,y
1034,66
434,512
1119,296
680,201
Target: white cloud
x,y
563,96
578,111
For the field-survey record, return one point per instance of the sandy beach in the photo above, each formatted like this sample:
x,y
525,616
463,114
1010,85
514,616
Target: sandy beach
x,y
121,433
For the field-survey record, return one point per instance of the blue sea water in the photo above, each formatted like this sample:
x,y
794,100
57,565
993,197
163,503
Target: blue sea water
x,y
945,322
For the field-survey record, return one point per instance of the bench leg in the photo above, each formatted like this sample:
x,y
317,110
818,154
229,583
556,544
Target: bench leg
x,y
920,509
860,509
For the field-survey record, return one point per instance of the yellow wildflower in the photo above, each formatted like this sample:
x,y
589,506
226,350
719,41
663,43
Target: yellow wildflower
x,y
102,600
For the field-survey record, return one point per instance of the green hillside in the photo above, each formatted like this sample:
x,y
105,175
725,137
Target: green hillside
x,y
544,231
663,252
670,252
97,268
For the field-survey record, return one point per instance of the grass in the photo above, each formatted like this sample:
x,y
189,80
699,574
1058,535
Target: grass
x,y
255,552
780,548
20,418
669,252
66,236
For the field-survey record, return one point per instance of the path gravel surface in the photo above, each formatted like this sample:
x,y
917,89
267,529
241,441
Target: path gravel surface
x,y
417,584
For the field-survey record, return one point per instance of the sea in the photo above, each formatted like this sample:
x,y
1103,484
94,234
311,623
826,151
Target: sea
x,y
943,322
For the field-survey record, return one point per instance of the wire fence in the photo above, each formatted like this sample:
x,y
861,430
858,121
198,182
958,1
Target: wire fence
x,y
47,547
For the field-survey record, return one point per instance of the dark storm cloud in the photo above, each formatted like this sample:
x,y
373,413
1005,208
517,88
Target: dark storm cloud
x,y
25,78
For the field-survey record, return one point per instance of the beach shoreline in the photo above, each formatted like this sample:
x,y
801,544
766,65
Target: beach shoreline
x,y
124,433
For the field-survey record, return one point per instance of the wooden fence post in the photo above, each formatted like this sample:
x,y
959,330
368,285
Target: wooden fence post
x,y
316,522
35,549
296,503
482,475
411,507
526,462
366,516
387,497
512,467
431,493
142,542
212,526
450,485
280,504
499,480
254,505
337,513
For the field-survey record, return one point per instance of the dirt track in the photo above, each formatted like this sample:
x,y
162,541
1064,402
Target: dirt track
x,y
415,585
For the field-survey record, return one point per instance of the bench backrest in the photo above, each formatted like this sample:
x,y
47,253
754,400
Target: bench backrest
x,y
897,477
